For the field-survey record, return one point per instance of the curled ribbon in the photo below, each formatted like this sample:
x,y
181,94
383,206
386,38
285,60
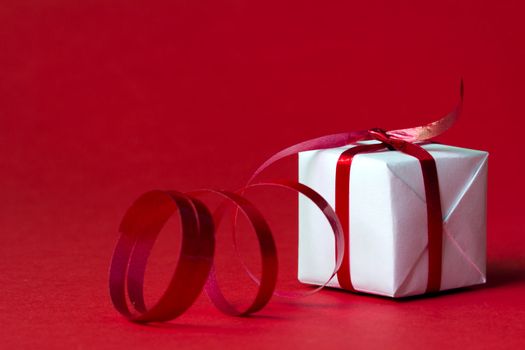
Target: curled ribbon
x,y
144,220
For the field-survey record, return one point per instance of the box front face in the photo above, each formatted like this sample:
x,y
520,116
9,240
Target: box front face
x,y
371,254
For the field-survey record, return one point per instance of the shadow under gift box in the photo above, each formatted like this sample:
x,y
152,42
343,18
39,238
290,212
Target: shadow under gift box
x,y
388,220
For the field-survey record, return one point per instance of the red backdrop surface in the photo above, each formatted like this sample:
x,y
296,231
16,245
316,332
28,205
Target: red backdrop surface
x,y
103,100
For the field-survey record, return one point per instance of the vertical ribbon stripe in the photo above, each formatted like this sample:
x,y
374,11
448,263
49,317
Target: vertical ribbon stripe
x,y
342,205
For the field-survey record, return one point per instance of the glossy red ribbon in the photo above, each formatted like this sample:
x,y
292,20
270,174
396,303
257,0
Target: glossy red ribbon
x,y
342,205
194,272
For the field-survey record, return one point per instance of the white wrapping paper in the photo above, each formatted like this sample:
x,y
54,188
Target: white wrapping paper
x,y
388,229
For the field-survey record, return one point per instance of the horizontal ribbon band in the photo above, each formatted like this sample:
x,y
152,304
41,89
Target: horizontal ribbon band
x,y
146,217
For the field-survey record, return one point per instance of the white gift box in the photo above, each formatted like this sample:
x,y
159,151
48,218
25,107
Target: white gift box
x,y
388,220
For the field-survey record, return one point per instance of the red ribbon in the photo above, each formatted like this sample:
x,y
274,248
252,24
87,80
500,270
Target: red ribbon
x,y
194,272
342,205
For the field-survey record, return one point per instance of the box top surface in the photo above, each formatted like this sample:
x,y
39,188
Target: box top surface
x,y
438,151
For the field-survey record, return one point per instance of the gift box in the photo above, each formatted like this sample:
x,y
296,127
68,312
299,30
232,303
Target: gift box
x,y
387,249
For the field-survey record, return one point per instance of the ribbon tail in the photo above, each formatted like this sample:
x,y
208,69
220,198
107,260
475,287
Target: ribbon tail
x,y
431,130
323,142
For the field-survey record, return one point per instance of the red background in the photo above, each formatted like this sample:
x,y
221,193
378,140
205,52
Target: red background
x,y
103,100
